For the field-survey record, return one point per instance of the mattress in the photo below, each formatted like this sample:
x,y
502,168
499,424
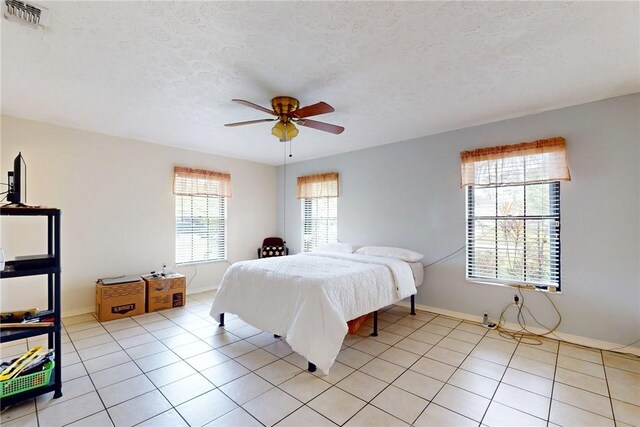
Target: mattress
x,y
308,298
418,272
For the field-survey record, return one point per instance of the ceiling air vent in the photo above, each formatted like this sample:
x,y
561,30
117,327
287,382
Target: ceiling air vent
x,y
25,13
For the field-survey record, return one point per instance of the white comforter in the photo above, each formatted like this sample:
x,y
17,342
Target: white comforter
x,y
308,298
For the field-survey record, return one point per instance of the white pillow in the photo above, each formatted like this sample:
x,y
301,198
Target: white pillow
x,y
346,248
384,251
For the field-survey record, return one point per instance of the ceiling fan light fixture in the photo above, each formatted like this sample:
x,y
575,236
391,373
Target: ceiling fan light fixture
x,y
284,131
287,111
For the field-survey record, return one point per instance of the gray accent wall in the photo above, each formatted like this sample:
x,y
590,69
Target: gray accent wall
x,y
408,194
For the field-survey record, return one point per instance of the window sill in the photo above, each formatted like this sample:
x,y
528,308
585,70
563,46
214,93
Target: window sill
x,y
522,286
187,264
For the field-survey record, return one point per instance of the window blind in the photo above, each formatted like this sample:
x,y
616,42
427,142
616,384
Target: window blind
x,y
201,214
319,222
513,211
513,234
201,225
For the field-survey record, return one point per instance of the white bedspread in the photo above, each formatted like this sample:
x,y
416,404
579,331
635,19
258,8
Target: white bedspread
x,y
308,298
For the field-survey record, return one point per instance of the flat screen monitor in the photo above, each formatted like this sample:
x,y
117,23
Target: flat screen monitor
x,y
17,178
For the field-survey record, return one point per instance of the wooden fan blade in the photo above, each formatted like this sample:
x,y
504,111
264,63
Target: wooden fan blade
x,y
255,106
313,110
321,126
250,122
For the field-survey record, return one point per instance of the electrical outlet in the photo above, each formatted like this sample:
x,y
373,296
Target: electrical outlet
x,y
516,299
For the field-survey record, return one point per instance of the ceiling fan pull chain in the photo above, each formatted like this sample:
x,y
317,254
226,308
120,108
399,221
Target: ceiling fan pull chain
x,y
284,194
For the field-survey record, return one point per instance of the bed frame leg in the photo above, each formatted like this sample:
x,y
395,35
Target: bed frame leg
x,y
221,319
413,305
312,367
375,324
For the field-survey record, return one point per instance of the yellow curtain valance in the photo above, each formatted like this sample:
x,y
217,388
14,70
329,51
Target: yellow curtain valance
x,y
200,182
543,160
321,185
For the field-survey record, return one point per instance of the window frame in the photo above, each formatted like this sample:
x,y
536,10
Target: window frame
x,y
224,217
554,217
303,204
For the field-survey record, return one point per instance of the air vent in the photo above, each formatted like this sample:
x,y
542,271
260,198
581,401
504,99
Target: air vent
x,y
25,13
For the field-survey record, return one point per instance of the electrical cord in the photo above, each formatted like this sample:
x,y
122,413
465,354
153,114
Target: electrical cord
x,y
446,257
195,273
620,348
535,338
523,333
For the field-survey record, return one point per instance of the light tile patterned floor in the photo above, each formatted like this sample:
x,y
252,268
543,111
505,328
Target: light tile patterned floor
x,y
178,368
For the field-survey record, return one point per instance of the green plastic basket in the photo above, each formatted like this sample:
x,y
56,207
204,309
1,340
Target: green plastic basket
x,y
27,382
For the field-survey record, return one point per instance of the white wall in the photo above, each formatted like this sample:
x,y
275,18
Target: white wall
x,y
408,194
117,209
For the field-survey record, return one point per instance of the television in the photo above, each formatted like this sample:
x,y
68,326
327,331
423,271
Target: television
x,y
17,178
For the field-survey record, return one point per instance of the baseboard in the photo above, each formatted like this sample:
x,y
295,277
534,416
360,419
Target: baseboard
x,y
201,289
78,311
92,309
574,339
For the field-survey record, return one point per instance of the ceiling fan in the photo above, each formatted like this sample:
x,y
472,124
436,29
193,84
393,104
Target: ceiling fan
x,y
287,113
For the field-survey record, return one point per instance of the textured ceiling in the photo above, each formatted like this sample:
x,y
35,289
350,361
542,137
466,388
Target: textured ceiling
x,y
165,72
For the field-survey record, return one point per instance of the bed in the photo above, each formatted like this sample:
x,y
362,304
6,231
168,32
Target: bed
x,y
308,298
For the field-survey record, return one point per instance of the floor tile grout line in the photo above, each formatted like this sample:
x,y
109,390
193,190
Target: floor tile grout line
x,y
91,379
518,342
92,383
585,390
381,391
402,337
445,382
156,388
453,385
174,407
606,380
253,371
145,375
452,329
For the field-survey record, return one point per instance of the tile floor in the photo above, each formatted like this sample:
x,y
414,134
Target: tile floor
x,y
178,368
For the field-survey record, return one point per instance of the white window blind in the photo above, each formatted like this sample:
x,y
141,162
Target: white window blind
x,y
513,234
201,214
319,195
513,211
319,222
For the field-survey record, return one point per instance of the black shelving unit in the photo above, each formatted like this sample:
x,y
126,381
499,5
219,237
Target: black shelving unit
x,y
50,267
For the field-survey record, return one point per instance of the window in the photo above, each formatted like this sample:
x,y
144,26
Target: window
x,y
513,212
319,222
201,215
319,195
513,233
201,229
